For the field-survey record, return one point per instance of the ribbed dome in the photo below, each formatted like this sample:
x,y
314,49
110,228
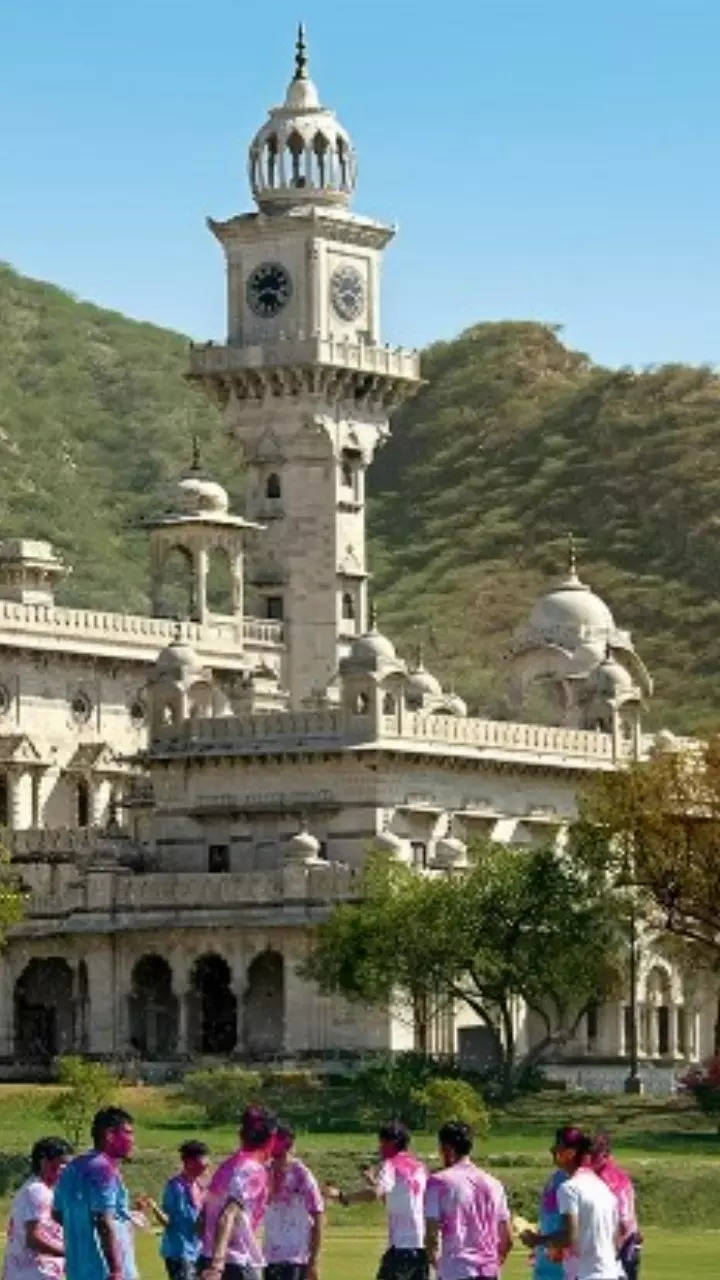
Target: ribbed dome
x,y
301,155
370,651
422,684
302,847
176,661
571,610
195,493
613,681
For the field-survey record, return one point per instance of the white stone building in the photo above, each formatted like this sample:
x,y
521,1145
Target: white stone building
x,y
185,799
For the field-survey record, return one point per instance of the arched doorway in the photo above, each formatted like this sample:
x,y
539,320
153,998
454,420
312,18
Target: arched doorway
x,y
219,582
176,589
44,1010
153,1008
264,1004
212,1006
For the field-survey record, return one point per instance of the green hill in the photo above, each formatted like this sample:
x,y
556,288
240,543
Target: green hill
x,y
514,441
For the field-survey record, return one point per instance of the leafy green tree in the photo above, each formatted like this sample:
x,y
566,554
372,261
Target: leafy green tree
x,y
86,1087
520,925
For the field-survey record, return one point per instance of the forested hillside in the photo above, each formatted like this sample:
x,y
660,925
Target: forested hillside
x,y
514,441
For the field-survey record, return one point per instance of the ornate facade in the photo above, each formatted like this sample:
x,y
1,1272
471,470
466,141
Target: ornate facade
x,y
185,799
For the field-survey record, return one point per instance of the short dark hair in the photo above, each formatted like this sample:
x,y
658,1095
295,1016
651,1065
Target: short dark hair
x,y
456,1135
601,1146
48,1149
285,1132
108,1118
396,1133
256,1127
573,1139
193,1149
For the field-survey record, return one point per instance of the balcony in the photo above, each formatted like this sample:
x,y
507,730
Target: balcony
x,y
208,359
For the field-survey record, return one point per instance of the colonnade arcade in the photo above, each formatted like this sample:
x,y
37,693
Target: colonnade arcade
x,y
168,1009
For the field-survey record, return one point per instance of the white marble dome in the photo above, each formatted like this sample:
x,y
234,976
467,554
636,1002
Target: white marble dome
x,y
303,847
176,661
613,681
196,494
422,684
371,651
301,155
571,609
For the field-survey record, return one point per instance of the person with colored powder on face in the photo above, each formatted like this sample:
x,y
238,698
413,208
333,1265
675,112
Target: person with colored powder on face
x,y
588,1234
292,1236
620,1183
235,1204
92,1205
182,1204
35,1249
466,1211
399,1180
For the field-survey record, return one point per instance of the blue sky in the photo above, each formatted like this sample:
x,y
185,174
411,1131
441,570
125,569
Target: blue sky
x,y
546,160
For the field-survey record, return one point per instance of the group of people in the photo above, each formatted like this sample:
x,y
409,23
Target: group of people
x,y
261,1211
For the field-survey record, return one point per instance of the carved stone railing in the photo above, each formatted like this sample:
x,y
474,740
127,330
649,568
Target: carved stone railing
x,y
134,630
296,727
503,735
396,362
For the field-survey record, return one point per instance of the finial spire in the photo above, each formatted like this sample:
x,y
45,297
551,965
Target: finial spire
x,y
572,559
196,452
301,54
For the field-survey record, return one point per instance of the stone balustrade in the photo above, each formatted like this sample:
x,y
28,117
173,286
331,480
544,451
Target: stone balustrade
x,y
396,362
503,736
133,631
292,728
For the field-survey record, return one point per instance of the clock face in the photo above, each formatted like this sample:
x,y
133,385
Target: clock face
x,y
268,289
347,292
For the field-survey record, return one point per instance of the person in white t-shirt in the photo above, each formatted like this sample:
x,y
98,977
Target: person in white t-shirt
x,y
590,1231
35,1249
399,1180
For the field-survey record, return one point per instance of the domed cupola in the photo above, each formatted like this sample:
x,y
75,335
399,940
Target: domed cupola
x,y
301,155
571,612
195,493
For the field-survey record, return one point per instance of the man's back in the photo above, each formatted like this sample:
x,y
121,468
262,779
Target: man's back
x,y
594,1207
469,1206
91,1185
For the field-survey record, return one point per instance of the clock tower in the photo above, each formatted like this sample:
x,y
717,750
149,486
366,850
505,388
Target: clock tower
x,y
304,381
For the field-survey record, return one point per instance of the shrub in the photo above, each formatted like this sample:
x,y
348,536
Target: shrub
x,y
301,1080
704,1085
223,1093
390,1083
444,1099
88,1086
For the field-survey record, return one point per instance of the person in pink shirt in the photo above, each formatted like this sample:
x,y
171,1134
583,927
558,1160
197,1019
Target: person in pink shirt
x,y
294,1214
620,1183
466,1210
235,1204
35,1249
399,1180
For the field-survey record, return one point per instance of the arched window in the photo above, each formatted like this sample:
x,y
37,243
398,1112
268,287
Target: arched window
x,y
273,487
264,1002
348,607
361,706
219,582
175,596
388,705
82,803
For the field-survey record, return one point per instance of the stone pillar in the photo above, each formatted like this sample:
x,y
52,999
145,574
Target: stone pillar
x,y
622,1048
7,1008
200,586
673,1012
236,569
99,789
107,999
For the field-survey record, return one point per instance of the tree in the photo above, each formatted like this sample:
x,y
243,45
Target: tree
x,y
656,824
88,1086
520,925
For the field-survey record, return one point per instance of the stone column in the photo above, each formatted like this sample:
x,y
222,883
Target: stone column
x,y
107,1000
236,569
622,1048
672,1030
200,584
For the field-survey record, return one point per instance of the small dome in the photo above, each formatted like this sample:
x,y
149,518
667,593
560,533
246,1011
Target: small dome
x,y
196,494
301,155
176,661
665,742
398,849
571,611
303,847
371,651
421,684
613,681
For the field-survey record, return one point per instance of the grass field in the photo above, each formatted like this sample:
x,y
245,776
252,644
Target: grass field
x,y
671,1149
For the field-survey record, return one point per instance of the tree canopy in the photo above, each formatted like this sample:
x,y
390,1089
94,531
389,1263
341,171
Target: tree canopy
x,y
519,925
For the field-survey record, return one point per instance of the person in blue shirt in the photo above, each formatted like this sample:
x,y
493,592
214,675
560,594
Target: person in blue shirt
x,y
91,1203
182,1204
548,1261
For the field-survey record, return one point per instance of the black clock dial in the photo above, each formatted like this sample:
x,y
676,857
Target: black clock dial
x,y
347,292
268,289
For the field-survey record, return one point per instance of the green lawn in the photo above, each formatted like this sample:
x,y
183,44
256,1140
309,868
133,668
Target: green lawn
x,y
672,1151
